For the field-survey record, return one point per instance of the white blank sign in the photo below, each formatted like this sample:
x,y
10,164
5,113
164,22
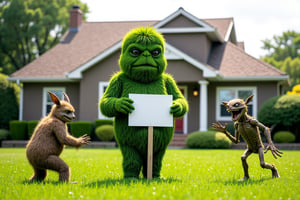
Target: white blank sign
x,y
151,110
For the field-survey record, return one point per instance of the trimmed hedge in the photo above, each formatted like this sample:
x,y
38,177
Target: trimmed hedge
x,y
31,126
79,128
105,132
284,137
3,134
100,122
208,140
18,130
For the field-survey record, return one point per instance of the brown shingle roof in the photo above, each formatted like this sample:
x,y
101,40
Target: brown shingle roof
x,y
232,61
77,48
222,24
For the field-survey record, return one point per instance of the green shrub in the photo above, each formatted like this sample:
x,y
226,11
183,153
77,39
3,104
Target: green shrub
x,y
284,137
31,126
18,130
208,140
3,134
282,111
100,122
9,106
105,132
79,128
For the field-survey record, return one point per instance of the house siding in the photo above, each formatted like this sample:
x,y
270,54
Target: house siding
x,y
196,45
180,22
33,98
265,90
89,96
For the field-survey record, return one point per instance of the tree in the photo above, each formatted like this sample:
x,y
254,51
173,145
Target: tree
x,y
28,28
9,105
284,54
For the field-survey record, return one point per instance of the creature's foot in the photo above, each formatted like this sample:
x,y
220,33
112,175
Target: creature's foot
x,y
275,173
245,178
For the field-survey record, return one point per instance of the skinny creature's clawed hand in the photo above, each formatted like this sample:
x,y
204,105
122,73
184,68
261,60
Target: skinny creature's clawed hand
x,y
275,152
219,127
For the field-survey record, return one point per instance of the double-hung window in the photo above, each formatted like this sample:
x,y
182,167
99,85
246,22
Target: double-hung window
x,y
47,102
228,93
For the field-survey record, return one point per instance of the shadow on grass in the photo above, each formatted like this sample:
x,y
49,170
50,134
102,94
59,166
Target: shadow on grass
x,y
247,182
47,182
128,182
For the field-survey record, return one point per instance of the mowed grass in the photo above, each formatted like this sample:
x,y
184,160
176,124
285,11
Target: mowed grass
x,y
186,174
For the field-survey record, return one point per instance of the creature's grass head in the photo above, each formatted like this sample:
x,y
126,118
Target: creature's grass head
x,y
142,55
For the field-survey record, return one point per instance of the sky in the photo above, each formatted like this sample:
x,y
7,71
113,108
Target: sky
x,y
254,20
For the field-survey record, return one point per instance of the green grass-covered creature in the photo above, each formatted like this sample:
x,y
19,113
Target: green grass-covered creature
x,y
142,64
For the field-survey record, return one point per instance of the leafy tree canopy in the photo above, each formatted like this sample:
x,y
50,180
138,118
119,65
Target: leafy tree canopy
x,y
284,54
28,28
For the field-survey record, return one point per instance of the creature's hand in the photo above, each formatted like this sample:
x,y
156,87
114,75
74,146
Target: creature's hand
x,y
176,109
84,139
219,127
273,150
124,105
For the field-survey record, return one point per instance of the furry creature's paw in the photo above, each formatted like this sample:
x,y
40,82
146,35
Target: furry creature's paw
x,y
124,105
84,139
176,109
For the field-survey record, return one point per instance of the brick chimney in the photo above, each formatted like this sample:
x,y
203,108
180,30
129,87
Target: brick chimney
x,y
75,18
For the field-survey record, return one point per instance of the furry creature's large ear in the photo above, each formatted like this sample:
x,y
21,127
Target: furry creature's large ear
x,y
54,98
249,99
66,98
225,103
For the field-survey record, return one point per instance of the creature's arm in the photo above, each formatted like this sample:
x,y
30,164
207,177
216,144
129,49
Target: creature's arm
x,y
111,103
219,127
267,133
61,132
180,105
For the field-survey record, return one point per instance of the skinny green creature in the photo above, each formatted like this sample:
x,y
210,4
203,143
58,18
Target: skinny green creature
x,y
142,64
248,127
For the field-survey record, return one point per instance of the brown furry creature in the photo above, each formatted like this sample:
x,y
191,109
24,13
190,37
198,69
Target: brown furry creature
x,y
49,138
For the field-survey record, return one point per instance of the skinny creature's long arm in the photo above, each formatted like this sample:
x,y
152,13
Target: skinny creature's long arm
x,y
219,127
271,146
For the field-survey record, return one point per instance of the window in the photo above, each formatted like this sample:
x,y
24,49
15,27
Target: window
x,y
102,88
47,102
228,93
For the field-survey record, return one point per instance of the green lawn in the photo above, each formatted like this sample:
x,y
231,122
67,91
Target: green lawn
x,y
186,174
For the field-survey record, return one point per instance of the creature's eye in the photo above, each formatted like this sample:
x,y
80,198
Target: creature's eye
x,y
68,112
155,53
135,52
236,105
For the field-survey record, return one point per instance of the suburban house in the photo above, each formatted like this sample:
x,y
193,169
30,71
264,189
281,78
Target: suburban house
x,y
204,57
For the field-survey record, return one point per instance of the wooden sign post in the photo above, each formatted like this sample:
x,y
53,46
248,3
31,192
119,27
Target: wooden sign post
x,y
151,111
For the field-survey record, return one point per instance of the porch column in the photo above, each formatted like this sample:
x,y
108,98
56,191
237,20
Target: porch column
x,y
203,106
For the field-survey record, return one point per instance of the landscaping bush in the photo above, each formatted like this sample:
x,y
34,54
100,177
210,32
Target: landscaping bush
x,y
18,130
79,128
284,137
208,140
100,122
31,126
105,132
282,111
3,134
9,106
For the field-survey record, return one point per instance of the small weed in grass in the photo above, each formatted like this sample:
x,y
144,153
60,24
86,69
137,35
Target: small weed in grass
x,y
186,174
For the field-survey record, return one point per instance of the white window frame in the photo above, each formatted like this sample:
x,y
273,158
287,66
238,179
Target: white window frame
x,y
101,86
236,89
45,93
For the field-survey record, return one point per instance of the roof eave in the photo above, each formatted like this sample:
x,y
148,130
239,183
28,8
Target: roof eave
x,y
253,78
40,79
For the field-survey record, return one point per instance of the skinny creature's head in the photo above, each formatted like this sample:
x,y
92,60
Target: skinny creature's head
x,y
142,55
